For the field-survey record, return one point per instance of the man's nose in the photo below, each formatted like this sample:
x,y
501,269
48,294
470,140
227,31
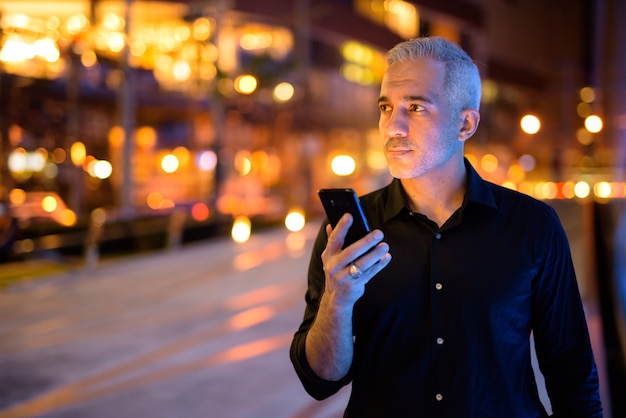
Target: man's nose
x,y
396,125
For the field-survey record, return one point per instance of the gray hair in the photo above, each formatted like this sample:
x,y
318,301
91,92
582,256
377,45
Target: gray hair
x,y
462,80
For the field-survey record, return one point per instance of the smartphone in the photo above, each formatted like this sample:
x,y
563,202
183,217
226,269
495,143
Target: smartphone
x,y
336,202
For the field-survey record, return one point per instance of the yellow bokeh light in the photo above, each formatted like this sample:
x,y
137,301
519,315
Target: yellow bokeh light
x,y
241,230
584,136
202,29
587,94
246,84
116,137
243,162
154,200
67,218
181,70
593,123
582,189
295,220
17,196
549,190
516,173
602,189
49,204
583,109
283,92
78,153
170,163
343,165
489,163
530,124
102,169
146,137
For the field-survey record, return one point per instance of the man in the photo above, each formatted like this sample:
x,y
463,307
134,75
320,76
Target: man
x,y
436,319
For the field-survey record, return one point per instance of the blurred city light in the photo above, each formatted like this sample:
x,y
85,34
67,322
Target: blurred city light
x,y
527,162
78,153
583,109
246,84
241,229
530,124
567,189
154,200
283,92
17,196
101,169
582,189
98,216
584,136
206,160
199,59
343,165
67,218
49,204
489,163
516,173
363,64
593,123
170,163
602,189
200,212
587,94
294,221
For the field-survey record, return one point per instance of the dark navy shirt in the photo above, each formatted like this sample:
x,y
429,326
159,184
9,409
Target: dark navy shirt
x,y
444,330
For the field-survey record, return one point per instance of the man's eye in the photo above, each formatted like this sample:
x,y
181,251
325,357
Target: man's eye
x,y
383,107
416,108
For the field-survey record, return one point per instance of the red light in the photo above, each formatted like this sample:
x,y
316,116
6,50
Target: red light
x,y
200,212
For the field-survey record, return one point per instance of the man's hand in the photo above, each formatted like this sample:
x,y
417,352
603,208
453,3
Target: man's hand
x,y
348,270
329,344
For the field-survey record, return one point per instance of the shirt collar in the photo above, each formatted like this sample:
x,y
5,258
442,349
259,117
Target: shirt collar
x,y
478,191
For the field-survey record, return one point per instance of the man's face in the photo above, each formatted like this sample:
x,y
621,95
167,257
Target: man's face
x,y
418,126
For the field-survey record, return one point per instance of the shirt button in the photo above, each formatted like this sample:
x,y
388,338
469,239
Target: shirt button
x,y
438,235
439,396
438,286
439,341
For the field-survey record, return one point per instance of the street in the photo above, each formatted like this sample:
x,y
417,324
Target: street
x,y
199,331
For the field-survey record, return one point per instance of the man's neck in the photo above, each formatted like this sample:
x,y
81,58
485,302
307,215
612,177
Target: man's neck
x,y
436,195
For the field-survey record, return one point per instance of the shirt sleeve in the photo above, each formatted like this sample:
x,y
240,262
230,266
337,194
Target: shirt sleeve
x,y
315,386
560,329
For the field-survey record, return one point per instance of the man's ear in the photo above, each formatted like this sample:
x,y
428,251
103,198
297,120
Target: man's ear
x,y
471,118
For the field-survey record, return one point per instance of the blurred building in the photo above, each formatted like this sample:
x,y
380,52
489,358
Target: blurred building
x,y
247,107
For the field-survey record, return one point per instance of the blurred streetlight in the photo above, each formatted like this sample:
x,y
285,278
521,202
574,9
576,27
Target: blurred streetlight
x,y
530,124
283,92
295,221
241,229
246,84
593,123
343,165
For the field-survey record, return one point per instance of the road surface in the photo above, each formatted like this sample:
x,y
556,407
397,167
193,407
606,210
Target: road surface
x,y
202,331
